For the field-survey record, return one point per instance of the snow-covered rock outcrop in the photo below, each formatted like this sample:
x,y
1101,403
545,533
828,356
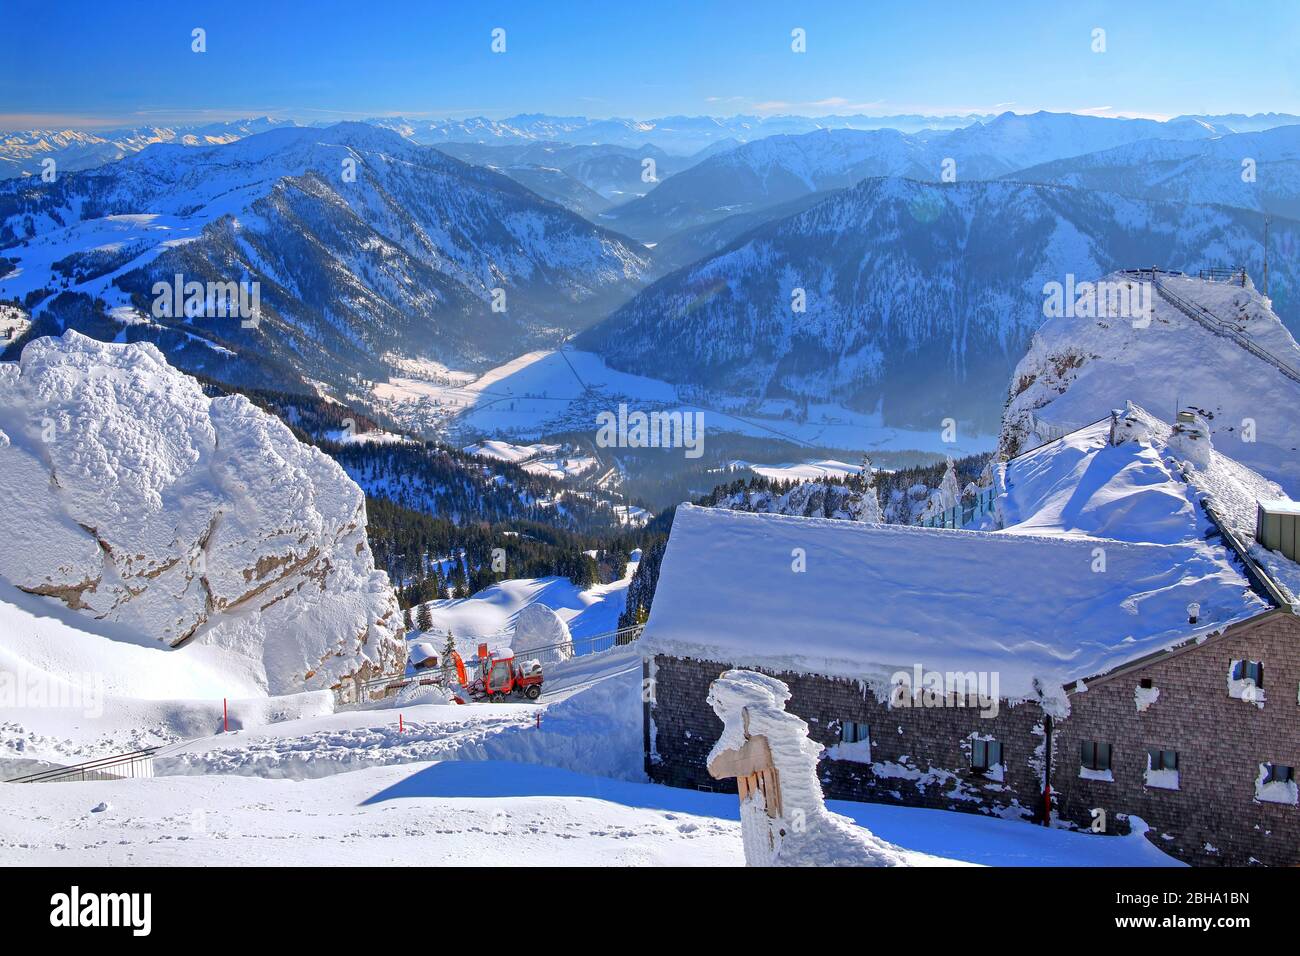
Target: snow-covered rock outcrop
x,y
1135,478
132,497
538,626
797,830
1095,358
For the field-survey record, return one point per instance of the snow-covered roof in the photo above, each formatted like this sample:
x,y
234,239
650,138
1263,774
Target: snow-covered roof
x,y
1155,486
875,599
420,651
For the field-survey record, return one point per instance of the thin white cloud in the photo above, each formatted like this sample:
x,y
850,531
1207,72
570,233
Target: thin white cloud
x,y
838,104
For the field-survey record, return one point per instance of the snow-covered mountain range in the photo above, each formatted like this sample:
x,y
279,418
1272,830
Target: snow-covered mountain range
x,y
779,169
919,298
682,135
23,152
363,245
1256,170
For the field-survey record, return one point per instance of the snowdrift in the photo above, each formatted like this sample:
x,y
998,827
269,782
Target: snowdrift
x,y
538,626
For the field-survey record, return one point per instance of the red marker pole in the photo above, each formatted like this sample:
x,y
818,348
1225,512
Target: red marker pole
x,y
225,717
401,729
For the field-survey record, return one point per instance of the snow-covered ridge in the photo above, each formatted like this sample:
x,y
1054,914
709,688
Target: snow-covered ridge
x,y
24,152
185,520
1078,368
901,313
361,244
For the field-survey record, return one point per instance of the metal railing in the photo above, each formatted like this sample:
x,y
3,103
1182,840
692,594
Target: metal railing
x,y
1236,274
1052,433
962,513
137,764
378,688
1207,319
1227,329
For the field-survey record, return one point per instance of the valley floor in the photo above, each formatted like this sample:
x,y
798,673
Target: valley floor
x,y
551,392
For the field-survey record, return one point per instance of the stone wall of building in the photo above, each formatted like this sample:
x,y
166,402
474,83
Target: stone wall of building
x,y
1213,816
920,756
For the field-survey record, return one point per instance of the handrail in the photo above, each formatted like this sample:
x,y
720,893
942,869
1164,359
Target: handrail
x,y
89,766
1261,579
1218,326
1034,422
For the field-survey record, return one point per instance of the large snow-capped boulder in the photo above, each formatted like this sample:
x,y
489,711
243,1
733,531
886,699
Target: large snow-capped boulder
x,y
132,497
538,626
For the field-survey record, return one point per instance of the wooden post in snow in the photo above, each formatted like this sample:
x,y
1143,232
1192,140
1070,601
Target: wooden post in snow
x,y
755,774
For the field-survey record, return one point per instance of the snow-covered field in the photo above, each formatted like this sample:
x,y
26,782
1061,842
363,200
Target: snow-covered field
x,y
472,814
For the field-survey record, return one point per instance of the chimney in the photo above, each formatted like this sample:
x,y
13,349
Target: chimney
x,y
1193,613
1277,526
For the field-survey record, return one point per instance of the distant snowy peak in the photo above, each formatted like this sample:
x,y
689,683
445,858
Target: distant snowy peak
x,y
24,152
1244,123
184,520
1082,364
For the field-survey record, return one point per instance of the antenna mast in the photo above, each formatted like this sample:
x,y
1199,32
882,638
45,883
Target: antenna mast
x,y
1267,220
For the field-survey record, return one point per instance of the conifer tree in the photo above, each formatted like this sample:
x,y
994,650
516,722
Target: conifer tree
x,y
869,498
948,488
448,660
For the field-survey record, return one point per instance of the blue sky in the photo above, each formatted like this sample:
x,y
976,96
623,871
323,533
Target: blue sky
x,y
84,63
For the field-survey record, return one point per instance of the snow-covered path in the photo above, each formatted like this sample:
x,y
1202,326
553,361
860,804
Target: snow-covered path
x,y
589,720
477,813
430,814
